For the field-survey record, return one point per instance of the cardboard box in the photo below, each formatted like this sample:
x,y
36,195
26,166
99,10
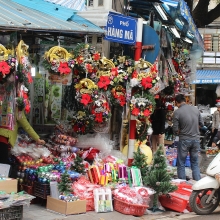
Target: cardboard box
x,y
166,142
66,208
9,185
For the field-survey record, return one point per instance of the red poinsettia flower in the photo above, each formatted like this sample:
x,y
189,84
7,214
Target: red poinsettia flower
x,y
96,56
134,74
146,82
75,128
86,99
4,68
103,83
154,68
114,71
76,72
63,68
79,59
122,100
135,111
106,106
89,68
146,112
29,77
98,117
27,108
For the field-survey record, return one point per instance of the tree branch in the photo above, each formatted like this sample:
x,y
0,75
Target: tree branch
x,y
213,14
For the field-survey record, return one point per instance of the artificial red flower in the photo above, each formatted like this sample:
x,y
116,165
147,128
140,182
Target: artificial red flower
x,y
75,128
27,108
146,112
79,59
135,111
63,68
134,74
122,100
89,68
98,117
96,56
146,82
4,68
25,95
30,80
104,81
176,65
86,99
154,68
114,71
106,105
76,72
83,128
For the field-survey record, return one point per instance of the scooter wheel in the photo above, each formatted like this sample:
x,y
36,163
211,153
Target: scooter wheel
x,y
197,201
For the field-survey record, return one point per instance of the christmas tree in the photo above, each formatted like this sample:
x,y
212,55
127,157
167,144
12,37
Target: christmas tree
x,y
158,177
78,165
140,161
64,186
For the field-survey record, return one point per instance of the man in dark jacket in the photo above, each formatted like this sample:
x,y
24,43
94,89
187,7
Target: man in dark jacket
x,y
158,119
186,122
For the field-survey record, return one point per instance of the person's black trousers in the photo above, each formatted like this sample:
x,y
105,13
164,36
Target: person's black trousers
x,y
4,153
212,136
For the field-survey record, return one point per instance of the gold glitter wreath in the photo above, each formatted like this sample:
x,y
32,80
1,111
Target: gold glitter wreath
x,y
57,54
4,53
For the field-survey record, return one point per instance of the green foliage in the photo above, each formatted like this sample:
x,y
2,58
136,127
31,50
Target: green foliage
x,y
78,165
140,161
158,178
20,103
64,186
21,76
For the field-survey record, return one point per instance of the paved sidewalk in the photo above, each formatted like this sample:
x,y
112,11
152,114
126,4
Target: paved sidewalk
x,y
38,212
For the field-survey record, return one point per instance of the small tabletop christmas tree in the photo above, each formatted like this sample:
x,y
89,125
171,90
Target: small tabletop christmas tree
x,y
78,165
64,186
158,177
140,161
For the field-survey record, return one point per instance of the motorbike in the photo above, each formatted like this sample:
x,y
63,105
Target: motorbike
x,y
205,196
206,132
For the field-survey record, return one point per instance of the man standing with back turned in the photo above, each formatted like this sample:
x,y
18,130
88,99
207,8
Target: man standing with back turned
x,y
186,122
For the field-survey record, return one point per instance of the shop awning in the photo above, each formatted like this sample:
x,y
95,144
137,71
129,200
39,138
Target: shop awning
x,y
207,77
180,14
16,16
74,4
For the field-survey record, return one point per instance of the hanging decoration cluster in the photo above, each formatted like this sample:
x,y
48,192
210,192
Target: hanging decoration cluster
x,y
99,83
7,63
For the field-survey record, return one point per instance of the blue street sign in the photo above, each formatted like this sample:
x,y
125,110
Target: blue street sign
x,y
121,29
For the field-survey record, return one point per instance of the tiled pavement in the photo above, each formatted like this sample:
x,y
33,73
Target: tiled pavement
x,y
38,212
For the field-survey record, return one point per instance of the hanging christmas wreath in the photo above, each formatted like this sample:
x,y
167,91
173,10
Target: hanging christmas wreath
x,y
58,61
145,75
101,109
118,96
142,105
7,64
82,122
86,91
